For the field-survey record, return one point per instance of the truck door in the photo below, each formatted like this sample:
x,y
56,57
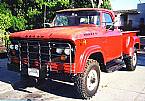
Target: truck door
x,y
113,38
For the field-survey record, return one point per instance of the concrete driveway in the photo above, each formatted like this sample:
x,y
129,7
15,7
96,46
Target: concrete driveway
x,y
117,86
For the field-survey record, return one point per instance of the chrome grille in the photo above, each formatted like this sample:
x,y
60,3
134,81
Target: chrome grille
x,y
40,53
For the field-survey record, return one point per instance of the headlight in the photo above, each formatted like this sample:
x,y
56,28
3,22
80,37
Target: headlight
x,y
59,50
12,47
16,47
67,51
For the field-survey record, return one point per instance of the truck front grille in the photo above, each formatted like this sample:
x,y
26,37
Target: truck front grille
x,y
39,54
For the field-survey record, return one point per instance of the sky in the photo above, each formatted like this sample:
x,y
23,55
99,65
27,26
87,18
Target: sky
x,y
125,4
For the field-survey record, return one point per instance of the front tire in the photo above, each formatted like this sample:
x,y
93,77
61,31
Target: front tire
x,y
87,83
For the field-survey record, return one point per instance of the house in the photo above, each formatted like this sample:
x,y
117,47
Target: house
x,y
134,17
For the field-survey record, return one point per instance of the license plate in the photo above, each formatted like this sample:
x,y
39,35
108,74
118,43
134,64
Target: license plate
x,y
33,72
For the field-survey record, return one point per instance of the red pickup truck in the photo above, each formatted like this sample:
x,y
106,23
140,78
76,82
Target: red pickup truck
x,y
81,43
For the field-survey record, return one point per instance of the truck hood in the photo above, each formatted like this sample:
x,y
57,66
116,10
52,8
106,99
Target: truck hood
x,y
71,33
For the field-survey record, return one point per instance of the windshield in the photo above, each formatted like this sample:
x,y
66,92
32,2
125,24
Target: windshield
x,y
74,18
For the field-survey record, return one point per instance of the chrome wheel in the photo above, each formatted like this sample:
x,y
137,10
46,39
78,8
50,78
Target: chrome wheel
x,y
134,59
131,61
92,80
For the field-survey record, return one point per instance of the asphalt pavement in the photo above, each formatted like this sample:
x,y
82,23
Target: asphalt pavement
x,y
117,86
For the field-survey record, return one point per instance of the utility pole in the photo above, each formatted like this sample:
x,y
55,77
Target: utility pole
x,y
44,19
45,14
72,4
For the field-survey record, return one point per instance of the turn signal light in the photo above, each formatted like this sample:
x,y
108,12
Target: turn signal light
x,y
25,61
63,57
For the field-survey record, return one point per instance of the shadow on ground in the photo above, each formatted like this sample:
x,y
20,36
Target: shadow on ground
x,y
5,75
59,89
50,86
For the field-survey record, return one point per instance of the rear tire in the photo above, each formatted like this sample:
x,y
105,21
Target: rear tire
x,y
87,83
131,62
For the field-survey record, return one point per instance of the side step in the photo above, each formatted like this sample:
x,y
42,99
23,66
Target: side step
x,y
114,65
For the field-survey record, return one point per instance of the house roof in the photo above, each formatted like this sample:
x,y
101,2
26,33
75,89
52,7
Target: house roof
x,y
132,11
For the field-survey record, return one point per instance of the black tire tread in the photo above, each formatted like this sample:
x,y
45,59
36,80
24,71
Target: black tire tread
x,y
129,63
79,80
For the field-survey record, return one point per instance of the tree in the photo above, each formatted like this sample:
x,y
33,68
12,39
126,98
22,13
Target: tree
x,y
106,4
84,3
8,21
55,5
5,17
32,11
28,14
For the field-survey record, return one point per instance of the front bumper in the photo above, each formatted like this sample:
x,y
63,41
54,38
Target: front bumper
x,y
24,71
40,55
43,72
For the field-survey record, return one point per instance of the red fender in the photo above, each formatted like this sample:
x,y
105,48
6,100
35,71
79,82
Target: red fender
x,y
130,43
85,55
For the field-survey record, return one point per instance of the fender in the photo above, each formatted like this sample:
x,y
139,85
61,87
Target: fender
x,y
136,40
88,51
131,43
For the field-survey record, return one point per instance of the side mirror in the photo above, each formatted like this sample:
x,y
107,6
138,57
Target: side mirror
x,y
48,24
110,27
